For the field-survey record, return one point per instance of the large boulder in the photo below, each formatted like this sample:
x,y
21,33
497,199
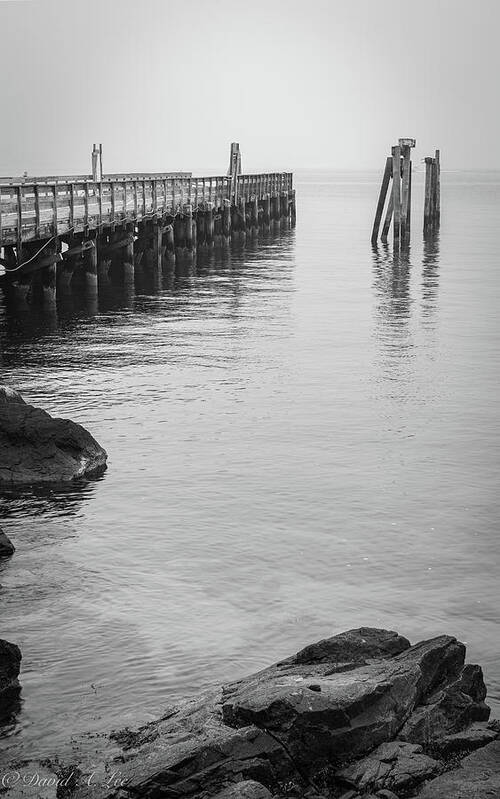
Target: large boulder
x,y
10,663
329,711
36,448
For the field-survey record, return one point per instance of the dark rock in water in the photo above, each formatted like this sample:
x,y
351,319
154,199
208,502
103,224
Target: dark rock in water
x,y
270,734
36,448
10,663
395,765
478,777
7,548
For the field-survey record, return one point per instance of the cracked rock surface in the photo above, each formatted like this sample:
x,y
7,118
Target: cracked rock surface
x,y
37,448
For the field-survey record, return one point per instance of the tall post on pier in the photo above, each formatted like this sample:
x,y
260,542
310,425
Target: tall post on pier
x,y
97,163
234,170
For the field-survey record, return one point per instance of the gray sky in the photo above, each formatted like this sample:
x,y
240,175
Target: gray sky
x,y
167,85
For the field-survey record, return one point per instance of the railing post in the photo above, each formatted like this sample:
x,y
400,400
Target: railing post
x,y
19,194
37,211
55,209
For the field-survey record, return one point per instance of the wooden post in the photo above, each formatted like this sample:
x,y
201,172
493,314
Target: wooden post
x,y
381,200
188,221
194,235
90,269
284,205
200,224
275,214
71,207
86,195
169,242
234,170
405,195
226,220
387,221
293,208
55,209
438,186
242,214
427,196
37,211
408,215
266,210
156,231
209,223
128,256
396,194
254,212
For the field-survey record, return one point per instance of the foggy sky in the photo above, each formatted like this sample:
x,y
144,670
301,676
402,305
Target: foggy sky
x,y
321,83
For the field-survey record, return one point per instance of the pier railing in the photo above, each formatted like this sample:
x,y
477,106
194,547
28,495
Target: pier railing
x,y
53,207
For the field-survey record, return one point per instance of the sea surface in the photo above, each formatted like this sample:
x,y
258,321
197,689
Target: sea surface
x,y
303,438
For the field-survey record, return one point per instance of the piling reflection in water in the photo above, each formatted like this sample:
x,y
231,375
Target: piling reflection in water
x,y
393,311
430,278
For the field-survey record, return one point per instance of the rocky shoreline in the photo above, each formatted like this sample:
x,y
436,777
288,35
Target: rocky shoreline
x,y
361,714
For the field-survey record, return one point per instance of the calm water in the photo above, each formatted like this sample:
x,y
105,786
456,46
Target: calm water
x,y
302,438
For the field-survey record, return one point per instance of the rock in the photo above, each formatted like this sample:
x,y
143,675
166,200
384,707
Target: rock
x,y
448,710
35,448
7,548
10,662
249,789
352,647
386,794
474,737
8,395
395,765
478,777
275,733
356,710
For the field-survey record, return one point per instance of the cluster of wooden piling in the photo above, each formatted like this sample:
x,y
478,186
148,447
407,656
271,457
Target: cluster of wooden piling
x,y
398,167
432,202
140,229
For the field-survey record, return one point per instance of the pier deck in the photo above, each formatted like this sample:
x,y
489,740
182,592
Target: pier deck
x,y
46,207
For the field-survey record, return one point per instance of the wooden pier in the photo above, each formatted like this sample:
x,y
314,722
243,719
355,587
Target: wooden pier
x,y
54,227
